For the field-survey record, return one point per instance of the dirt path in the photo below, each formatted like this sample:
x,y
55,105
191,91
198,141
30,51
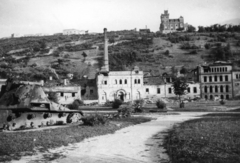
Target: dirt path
x,y
135,144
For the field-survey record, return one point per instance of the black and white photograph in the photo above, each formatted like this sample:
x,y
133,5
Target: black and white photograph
x,y
120,81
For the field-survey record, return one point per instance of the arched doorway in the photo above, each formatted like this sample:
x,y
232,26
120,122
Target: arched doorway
x,y
121,94
206,97
138,95
211,97
222,97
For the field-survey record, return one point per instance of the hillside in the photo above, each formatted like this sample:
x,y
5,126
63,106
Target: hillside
x,y
36,58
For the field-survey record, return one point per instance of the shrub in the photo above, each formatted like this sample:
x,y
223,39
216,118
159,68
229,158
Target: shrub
x,y
66,56
138,105
166,52
75,105
160,104
56,53
116,103
193,52
72,106
207,46
93,120
108,103
189,46
125,111
222,102
78,102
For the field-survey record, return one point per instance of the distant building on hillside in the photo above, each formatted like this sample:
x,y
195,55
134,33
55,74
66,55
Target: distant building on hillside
x,y
15,35
74,32
35,35
171,25
144,31
58,34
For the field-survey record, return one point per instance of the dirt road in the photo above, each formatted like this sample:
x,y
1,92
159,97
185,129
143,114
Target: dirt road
x,y
134,144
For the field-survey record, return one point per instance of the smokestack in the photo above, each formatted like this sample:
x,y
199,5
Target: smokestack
x,y
106,66
65,82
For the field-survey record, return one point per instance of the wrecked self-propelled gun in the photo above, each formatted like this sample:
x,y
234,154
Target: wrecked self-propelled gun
x,y
30,107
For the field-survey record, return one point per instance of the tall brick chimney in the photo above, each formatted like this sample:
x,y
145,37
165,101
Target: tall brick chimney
x,y
106,64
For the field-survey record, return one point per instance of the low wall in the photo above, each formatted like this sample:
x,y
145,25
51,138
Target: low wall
x,y
90,101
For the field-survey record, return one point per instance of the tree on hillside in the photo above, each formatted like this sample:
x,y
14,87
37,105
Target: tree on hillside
x,y
36,47
183,71
111,40
84,55
1,51
221,52
42,44
191,28
180,86
201,29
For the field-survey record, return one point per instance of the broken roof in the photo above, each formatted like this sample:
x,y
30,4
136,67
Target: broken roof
x,y
153,80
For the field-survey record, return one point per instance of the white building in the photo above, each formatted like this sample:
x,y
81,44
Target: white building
x,y
125,85
73,32
66,94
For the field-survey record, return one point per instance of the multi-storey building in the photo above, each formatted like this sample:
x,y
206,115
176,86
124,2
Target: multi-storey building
x,y
219,80
236,83
171,25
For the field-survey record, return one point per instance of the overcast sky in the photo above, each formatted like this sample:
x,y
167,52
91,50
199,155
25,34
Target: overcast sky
x,y
52,16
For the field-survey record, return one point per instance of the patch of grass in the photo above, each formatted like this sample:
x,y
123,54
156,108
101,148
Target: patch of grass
x,y
15,144
212,139
207,106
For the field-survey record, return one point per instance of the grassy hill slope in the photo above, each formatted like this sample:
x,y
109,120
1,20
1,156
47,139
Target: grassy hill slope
x,y
40,57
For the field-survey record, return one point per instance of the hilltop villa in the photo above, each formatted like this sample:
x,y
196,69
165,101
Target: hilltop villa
x,y
171,25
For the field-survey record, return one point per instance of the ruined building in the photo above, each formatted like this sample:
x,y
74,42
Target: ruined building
x,y
171,25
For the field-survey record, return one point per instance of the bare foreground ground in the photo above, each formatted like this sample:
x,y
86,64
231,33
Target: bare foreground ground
x,y
135,144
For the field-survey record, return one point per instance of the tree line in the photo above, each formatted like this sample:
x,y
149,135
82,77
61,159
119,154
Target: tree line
x,y
219,28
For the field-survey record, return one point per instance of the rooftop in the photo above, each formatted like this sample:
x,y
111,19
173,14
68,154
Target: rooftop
x,y
153,80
